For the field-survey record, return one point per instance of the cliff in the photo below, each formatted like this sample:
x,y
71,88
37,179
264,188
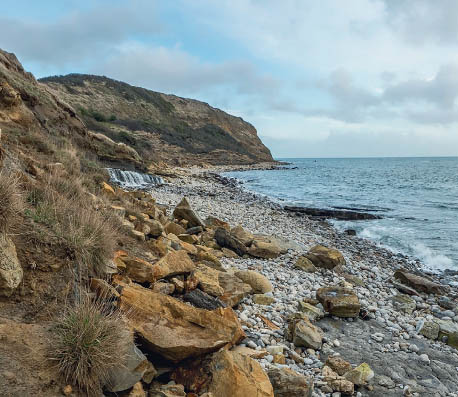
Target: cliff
x,y
160,127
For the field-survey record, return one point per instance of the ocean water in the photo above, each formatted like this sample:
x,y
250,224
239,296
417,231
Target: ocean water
x,y
417,198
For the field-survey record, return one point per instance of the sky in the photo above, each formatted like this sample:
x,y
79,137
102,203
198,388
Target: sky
x,y
328,78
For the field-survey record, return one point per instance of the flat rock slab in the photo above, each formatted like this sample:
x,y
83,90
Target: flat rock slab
x,y
335,214
401,367
420,284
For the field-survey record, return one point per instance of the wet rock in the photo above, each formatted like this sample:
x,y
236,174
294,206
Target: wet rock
x,y
420,284
10,269
288,383
257,281
338,301
226,239
175,329
324,257
184,211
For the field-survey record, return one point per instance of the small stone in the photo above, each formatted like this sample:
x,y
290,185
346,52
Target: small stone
x,y
424,358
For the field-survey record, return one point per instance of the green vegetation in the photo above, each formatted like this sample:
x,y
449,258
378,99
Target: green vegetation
x,y
88,340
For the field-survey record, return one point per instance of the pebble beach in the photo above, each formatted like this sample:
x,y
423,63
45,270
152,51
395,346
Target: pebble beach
x,y
391,336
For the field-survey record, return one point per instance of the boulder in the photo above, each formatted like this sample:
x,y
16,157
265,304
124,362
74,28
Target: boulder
x,y
184,211
234,289
226,374
448,330
188,238
225,239
138,269
175,329
215,223
324,257
360,375
173,263
242,235
257,281
287,383
155,227
336,382
174,228
227,253
430,330
130,372
10,269
305,264
418,283
207,278
194,230
163,287
304,334
264,249
338,301
312,312
339,365
404,303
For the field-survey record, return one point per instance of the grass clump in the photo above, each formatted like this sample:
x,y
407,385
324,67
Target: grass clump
x,y
88,340
11,200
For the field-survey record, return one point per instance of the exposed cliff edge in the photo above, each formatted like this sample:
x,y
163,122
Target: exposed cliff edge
x,y
160,127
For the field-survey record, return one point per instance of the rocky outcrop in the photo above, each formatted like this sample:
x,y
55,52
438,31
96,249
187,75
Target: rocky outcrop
x,y
343,215
175,329
184,211
10,269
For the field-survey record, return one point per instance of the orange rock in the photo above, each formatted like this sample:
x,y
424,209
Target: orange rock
x,y
175,329
107,189
173,263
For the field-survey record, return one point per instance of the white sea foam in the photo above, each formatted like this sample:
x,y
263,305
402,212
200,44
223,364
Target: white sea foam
x,y
431,258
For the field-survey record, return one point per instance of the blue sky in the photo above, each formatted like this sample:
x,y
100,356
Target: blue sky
x,y
317,79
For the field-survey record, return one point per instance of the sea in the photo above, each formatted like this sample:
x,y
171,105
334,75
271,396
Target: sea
x,y
417,199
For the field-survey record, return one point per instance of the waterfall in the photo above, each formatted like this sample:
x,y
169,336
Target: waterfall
x,y
133,180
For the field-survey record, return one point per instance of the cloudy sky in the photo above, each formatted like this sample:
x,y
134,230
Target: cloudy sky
x,y
324,78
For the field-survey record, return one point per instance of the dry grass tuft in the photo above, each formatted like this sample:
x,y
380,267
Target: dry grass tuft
x,y
87,341
11,201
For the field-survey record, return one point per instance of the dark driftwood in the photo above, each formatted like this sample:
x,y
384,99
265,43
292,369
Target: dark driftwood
x,y
335,214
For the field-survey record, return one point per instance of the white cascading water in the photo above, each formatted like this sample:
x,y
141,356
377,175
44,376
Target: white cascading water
x,y
133,180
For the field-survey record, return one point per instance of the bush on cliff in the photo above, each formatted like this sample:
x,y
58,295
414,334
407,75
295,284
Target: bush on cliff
x,y
87,341
11,203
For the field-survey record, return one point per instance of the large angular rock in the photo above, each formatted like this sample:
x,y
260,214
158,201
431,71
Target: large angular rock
x,y
258,282
172,264
226,374
430,330
448,330
234,289
360,375
304,334
242,235
324,257
312,312
184,211
339,365
338,301
138,269
404,303
208,280
10,269
264,249
215,223
418,283
287,383
132,371
226,239
175,329
200,299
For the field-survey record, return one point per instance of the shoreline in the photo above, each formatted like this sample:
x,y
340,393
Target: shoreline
x,y
390,341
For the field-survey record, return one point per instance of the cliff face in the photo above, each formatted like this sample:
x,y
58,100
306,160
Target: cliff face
x,y
160,127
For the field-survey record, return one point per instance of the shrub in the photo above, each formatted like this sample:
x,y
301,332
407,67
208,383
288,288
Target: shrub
x,y
11,200
87,341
